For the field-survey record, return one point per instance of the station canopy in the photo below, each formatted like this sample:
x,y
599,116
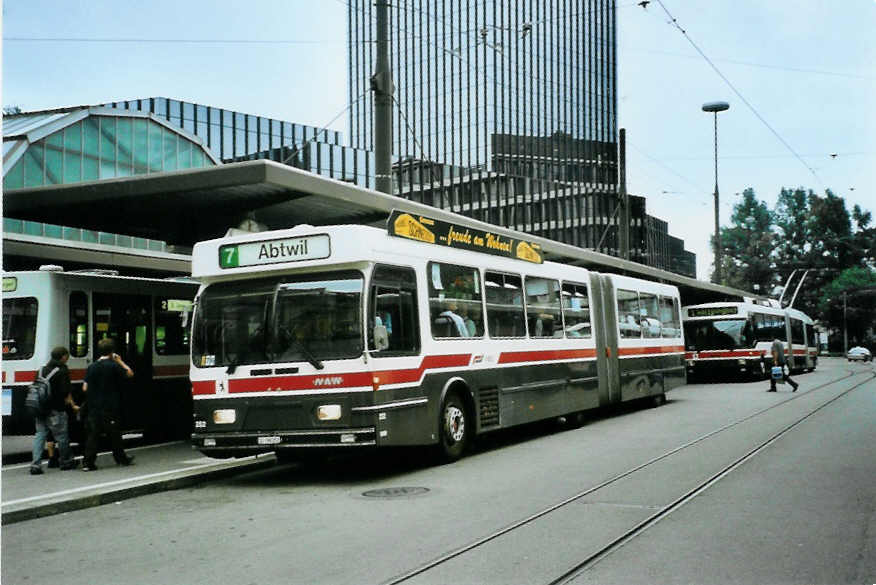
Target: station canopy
x,y
186,206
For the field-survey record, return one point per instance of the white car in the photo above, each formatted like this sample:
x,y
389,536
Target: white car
x,y
860,354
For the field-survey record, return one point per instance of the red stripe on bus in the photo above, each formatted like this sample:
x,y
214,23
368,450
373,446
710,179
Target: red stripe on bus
x,y
77,375
205,387
657,349
347,379
25,376
511,357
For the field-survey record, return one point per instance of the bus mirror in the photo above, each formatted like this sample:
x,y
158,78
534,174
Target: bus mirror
x,y
381,338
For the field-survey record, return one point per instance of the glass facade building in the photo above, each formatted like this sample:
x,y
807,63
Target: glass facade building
x,y
236,136
488,90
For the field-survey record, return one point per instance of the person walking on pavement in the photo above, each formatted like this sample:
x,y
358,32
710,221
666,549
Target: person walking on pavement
x,y
779,360
103,391
55,422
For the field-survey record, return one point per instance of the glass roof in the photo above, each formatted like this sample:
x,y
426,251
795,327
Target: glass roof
x,y
18,125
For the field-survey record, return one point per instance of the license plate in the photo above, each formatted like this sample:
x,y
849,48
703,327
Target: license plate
x,y
269,440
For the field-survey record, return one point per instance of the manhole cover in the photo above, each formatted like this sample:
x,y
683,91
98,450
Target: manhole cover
x,y
395,492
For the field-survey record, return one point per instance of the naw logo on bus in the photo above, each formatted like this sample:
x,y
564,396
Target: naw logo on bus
x,y
328,381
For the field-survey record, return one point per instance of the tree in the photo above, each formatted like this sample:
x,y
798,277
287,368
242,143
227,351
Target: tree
x,y
747,246
10,110
857,287
790,216
829,247
864,238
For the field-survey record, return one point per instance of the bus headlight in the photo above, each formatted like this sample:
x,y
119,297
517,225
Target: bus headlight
x,y
225,416
329,412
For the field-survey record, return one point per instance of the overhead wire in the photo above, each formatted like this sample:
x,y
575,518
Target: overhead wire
x,y
673,21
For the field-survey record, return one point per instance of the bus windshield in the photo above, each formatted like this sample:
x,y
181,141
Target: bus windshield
x,y
19,328
283,319
717,334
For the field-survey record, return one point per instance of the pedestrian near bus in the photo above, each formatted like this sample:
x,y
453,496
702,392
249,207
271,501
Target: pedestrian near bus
x,y
104,380
55,422
779,360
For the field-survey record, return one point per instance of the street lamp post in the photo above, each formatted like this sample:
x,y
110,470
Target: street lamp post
x,y
716,107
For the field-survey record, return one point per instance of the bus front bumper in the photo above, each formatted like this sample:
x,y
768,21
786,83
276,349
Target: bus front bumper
x,y
252,442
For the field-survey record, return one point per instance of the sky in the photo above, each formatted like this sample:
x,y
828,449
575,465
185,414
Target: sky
x,y
800,78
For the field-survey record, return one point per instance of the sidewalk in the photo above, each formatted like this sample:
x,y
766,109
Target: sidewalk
x,y
161,467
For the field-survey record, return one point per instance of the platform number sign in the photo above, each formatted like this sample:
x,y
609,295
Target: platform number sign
x,y
229,257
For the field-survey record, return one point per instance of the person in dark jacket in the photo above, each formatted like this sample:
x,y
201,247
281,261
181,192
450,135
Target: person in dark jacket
x,y
779,360
56,420
103,391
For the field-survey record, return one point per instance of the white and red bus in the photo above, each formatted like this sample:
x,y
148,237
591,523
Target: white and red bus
x,y
736,338
148,318
427,333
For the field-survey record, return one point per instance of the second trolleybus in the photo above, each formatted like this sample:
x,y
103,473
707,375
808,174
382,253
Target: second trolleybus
x,y
427,333
736,338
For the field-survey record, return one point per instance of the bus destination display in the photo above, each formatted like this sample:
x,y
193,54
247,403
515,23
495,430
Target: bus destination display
x,y
431,231
274,251
711,311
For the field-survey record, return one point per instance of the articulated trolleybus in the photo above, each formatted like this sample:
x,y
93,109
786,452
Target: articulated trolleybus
x,y
427,333
737,338
149,320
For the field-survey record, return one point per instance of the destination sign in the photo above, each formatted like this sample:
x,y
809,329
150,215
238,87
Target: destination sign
x,y
711,311
432,231
274,251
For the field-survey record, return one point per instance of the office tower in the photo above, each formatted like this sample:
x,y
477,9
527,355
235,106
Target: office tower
x,y
504,110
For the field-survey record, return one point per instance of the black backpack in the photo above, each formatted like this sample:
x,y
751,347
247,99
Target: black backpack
x,y
39,395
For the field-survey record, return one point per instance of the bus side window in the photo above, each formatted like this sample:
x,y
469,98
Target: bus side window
x,y
394,306
504,296
797,332
649,315
576,310
454,301
810,336
78,324
628,314
543,307
669,317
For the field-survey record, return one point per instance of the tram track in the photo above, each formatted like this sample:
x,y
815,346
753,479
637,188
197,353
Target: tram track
x,y
580,567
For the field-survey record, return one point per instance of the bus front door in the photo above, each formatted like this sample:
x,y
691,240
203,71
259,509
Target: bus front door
x,y
127,320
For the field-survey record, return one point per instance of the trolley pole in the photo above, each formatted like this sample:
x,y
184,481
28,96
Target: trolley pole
x,y
382,86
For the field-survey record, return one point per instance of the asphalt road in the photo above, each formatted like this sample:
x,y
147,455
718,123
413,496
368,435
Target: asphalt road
x,y
796,504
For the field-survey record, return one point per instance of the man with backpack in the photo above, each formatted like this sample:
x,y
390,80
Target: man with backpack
x,y
55,418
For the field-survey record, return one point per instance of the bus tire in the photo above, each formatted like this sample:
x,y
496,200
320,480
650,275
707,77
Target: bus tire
x,y
658,400
455,428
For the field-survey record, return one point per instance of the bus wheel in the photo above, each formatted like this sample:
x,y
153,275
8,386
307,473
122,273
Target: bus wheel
x,y
575,420
455,428
658,400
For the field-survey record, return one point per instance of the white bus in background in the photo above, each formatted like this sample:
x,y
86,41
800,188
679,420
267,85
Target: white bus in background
x,y
736,338
344,337
148,319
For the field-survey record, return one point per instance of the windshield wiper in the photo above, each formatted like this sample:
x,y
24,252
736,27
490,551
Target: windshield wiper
x,y
314,361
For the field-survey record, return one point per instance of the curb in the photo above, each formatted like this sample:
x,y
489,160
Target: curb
x,y
183,479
